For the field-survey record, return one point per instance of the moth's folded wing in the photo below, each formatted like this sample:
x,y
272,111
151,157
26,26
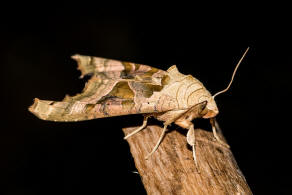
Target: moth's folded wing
x,y
78,111
107,106
103,97
80,106
114,69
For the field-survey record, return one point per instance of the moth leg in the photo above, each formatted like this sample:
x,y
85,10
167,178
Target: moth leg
x,y
191,139
158,142
139,128
212,121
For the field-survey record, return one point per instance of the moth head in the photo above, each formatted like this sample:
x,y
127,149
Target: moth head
x,y
211,109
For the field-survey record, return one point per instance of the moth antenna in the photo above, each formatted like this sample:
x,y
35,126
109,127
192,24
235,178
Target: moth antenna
x,y
234,72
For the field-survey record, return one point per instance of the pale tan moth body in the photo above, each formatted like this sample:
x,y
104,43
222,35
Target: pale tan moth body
x,y
121,88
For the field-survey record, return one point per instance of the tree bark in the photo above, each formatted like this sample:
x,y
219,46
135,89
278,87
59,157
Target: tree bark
x,y
171,169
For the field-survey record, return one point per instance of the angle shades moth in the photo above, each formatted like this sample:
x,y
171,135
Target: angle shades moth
x,y
119,88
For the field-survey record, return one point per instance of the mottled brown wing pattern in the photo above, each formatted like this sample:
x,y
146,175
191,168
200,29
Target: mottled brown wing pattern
x,y
115,88
114,69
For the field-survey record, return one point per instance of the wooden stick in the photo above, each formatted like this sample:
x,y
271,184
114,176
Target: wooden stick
x,y
171,169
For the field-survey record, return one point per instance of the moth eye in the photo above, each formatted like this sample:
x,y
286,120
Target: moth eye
x,y
204,111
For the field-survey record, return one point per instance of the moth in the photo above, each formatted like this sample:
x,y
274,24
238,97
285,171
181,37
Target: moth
x,y
119,88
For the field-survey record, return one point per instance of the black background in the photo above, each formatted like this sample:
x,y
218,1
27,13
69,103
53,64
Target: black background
x,y
37,40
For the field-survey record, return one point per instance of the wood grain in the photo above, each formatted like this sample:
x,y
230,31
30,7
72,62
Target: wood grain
x,y
171,169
